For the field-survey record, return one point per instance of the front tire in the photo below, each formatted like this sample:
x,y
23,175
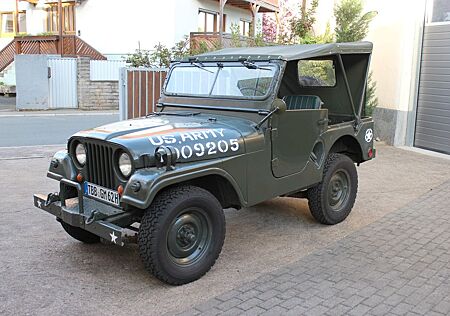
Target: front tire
x,y
332,200
181,234
80,234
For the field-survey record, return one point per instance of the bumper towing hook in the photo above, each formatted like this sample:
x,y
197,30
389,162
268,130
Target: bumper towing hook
x,y
51,198
95,216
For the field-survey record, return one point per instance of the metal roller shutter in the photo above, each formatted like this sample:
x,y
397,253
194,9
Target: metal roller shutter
x,y
433,108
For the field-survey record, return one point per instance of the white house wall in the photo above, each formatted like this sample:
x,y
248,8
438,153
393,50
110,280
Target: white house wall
x,y
186,15
116,27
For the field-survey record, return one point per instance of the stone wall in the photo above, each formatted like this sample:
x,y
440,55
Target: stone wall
x,y
95,95
385,121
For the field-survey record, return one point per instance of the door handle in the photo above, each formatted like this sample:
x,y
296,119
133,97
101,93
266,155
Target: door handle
x,y
322,121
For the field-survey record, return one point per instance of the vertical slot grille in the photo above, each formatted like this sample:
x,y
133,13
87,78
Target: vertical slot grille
x,y
100,165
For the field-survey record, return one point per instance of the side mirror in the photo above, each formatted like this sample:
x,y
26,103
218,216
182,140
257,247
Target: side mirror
x,y
280,105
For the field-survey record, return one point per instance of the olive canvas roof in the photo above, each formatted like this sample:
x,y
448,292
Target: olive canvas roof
x,y
288,52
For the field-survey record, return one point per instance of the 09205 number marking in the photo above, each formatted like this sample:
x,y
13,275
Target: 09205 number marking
x,y
211,148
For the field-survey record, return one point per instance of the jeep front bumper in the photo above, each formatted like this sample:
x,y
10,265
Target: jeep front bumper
x,y
100,219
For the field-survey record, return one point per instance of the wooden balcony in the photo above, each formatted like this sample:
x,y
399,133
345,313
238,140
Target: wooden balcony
x,y
211,40
71,46
264,5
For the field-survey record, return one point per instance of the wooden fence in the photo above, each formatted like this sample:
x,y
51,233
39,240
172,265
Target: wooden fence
x,y
139,90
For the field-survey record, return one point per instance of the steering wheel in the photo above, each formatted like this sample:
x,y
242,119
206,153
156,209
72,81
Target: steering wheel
x,y
252,89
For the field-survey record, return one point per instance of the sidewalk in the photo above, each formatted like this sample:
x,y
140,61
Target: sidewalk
x,y
398,265
56,112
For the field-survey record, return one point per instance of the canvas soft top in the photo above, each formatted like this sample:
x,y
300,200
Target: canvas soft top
x,y
288,52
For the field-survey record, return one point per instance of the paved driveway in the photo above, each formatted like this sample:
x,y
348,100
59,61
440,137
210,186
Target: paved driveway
x,y
397,265
43,271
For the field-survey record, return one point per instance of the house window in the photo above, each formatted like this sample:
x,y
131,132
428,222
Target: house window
x,y
68,14
244,28
209,21
438,11
7,23
22,22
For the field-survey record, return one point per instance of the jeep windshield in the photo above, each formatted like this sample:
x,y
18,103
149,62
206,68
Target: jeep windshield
x,y
229,80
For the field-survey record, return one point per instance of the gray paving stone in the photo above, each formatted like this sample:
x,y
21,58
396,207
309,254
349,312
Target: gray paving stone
x,y
398,265
249,303
276,310
254,311
317,310
443,307
401,309
271,302
359,310
381,309
233,312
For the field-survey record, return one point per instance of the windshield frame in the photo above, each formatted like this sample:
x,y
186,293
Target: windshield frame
x,y
262,64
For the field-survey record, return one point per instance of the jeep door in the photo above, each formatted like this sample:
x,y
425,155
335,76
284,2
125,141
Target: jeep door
x,y
294,134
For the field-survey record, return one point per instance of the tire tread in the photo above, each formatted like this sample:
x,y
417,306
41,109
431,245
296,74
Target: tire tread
x,y
147,238
315,194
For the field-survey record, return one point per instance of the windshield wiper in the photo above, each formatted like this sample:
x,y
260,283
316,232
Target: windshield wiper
x,y
184,113
194,62
252,65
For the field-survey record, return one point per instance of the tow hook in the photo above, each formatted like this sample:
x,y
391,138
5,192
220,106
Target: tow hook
x,y
51,198
95,216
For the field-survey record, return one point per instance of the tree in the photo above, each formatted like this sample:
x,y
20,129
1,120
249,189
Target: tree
x,y
302,25
352,25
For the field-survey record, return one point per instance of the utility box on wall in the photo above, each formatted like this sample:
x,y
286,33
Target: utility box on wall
x,y
32,82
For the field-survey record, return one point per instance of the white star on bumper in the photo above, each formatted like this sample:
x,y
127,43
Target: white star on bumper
x,y
113,237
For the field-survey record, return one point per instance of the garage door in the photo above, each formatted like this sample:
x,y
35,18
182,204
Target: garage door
x,y
433,108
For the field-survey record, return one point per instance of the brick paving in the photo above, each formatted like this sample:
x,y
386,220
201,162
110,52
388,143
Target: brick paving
x,y
399,265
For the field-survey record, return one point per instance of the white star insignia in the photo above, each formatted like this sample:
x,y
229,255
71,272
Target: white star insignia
x,y
113,237
39,203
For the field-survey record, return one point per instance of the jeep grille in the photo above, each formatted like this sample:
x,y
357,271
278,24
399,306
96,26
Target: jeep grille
x,y
99,163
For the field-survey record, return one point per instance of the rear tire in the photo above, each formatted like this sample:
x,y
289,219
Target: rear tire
x,y
80,234
181,234
332,200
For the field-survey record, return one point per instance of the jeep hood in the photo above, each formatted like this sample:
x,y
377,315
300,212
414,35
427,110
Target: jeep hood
x,y
194,137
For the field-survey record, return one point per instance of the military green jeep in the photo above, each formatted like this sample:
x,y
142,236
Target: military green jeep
x,y
233,128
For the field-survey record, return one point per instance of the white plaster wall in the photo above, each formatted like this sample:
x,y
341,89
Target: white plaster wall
x,y
186,15
324,16
7,5
35,20
4,42
396,35
116,27
395,58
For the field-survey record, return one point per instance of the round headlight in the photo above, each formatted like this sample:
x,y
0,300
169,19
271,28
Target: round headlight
x,y
80,154
125,164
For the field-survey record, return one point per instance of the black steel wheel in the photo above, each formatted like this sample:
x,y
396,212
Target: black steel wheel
x,y
181,234
80,234
332,200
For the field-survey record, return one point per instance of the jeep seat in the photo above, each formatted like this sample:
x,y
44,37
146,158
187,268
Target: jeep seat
x,y
302,102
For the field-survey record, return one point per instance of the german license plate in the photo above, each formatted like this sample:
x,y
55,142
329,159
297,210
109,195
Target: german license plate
x,y
101,193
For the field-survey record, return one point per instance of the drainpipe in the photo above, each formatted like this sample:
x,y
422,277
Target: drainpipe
x,y
60,30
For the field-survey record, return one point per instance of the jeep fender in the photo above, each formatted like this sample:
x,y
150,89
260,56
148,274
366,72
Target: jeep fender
x,y
152,181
